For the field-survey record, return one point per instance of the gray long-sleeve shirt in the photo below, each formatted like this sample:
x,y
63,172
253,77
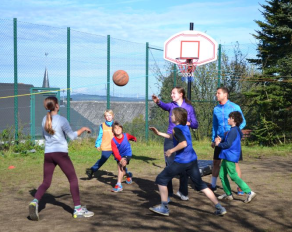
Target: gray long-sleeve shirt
x,y
62,128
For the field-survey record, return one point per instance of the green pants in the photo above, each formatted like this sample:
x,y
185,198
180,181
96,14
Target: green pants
x,y
228,168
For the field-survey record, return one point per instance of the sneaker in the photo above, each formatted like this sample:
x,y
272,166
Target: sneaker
x,y
33,209
129,174
89,173
240,192
225,197
250,196
160,209
81,213
117,188
129,180
214,189
220,211
182,197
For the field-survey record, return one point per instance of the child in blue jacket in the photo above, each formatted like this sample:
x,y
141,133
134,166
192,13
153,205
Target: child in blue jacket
x,y
185,160
230,153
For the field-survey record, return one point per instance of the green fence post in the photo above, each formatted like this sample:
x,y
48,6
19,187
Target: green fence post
x,y
146,93
15,79
174,75
219,65
108,71
32,115
68,74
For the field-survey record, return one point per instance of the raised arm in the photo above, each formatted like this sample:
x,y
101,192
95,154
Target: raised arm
x,y
83,129
131,137
164,135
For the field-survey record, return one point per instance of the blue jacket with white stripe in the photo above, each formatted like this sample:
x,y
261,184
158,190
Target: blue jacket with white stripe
x,y
220,119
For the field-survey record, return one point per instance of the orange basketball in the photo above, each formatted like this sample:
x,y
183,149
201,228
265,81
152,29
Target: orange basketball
x,y
120,78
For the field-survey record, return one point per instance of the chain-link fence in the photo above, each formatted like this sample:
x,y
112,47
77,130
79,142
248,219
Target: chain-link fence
x,y
78,68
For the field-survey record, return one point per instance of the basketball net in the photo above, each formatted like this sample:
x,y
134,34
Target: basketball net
x,y
187,69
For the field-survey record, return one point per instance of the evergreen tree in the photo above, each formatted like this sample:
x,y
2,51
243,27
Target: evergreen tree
x,y
272,96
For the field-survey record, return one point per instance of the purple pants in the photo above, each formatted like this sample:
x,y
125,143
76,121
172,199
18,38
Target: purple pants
x,y
63,160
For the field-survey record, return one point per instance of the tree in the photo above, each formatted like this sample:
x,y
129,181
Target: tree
x,y
275,37
272,96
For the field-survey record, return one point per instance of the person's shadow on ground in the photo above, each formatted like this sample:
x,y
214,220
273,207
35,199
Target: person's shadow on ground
x,y
51,199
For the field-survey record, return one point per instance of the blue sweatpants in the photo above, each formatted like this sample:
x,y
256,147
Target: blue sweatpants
x,y
104,157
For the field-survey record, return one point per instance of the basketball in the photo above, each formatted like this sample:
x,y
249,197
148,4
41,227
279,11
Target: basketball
x,y
120,78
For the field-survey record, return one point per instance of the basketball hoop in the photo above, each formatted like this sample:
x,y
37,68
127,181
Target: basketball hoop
x,y
187,68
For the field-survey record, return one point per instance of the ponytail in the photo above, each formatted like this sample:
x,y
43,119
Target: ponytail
x,y
50,104
182,90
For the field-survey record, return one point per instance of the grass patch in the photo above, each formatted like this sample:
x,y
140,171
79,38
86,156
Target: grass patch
x,y
146,158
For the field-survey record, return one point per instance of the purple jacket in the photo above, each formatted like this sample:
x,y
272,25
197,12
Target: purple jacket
x,y
189,108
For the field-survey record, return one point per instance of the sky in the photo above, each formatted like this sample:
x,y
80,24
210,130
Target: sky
x,y
138,21
141,21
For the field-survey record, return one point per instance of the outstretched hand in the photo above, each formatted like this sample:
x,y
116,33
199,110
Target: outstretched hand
x,y
154,130
155,98
87,129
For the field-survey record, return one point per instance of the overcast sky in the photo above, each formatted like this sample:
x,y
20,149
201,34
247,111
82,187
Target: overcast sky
x,y
227,21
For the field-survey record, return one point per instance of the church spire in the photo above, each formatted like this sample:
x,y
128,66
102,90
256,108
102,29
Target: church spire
x,y
46,77
46,80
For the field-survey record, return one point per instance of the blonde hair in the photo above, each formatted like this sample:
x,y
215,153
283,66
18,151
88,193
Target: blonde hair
x,y
108,111
50,104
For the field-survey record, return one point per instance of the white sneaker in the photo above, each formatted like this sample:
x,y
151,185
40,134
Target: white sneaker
x,y
250,196
33,209
182,197
83,212
225,197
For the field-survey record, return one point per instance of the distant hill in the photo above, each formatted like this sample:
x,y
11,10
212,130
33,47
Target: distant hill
x,y
87,97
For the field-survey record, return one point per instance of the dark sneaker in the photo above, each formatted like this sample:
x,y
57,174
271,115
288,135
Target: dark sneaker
x,y
214,189
81,213
160,209
220,211
250,196
33,209
89,173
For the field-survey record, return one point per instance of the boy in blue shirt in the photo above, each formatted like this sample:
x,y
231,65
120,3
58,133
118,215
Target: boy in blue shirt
x,y
230,154
185,161
123,153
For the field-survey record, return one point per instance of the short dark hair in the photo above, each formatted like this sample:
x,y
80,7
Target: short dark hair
x,y
224,89
116,124
181,115
236,115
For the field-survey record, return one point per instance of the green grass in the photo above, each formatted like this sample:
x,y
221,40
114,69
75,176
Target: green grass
x,y
146,159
